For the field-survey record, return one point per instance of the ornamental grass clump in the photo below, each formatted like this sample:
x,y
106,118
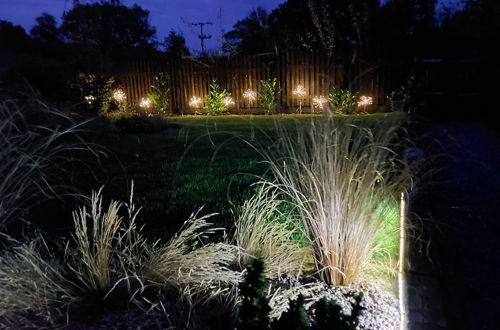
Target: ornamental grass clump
x,y
109,264
186,261
34,292
110,249
107,247
337,174
37,148
266,228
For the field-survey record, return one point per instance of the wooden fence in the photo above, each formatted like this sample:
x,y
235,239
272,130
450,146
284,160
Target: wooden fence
x,y
315,72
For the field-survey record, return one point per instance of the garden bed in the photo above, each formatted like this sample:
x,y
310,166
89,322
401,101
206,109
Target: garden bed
x,y
214,164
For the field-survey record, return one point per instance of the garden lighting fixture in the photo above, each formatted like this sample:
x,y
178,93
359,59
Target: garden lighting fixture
x,y
195,102
119,95
250,95
90,99
364,101
145,103
319,102
300,91
228,101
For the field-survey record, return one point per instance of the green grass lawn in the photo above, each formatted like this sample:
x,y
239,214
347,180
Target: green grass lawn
x,y
201,161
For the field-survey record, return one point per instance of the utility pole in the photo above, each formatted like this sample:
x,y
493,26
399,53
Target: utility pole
x,y
203,36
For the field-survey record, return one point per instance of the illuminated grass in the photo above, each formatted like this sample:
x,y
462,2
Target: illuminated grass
x,y
181,170
382,268
266,228
339,176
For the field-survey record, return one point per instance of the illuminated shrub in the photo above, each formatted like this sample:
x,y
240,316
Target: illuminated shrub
x,y
95,92
268,95
159,96
217,100
342,100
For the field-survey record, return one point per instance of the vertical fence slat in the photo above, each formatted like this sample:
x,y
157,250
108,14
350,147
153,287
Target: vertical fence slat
x,y
315,71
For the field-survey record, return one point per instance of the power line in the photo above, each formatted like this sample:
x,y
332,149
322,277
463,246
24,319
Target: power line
x,y
203,36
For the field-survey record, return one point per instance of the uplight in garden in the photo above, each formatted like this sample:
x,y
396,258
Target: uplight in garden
x,y
195,102
228,101
365,100
319,102
250,95
119,95
300,92
145,103
90,99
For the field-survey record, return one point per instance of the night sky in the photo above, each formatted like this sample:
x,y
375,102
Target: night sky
x,y
164,14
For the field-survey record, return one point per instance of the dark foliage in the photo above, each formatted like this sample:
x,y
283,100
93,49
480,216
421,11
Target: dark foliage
x,y
13,37
175,45
250,35
294,318
343,29
329,315
253,309
109,28
46,30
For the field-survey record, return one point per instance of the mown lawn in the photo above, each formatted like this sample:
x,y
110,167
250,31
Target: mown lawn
x,y
199,161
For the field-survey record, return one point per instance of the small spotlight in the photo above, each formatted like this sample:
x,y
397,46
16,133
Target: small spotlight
x,y
195,102
228,101
145,103
90,99
119,95
300,91
319,102
364,101
250,95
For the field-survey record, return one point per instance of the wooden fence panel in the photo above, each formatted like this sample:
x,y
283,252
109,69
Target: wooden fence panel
x,y
315,72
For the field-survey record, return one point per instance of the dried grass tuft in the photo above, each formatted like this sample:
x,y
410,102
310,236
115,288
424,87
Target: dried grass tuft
x,y
337,175
33,290
264,230
107,247
187,263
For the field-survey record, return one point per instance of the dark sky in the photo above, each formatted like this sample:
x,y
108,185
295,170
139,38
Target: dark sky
x,y
164,14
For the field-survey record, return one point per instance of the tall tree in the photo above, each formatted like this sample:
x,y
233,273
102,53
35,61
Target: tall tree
x,y
343,27
111,28
406,28
175,45
250,35
13,37
291,26
46,29
338,27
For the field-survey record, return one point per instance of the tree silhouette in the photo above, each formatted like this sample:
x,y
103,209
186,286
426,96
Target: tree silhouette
x,y
110,28
175,45
46,30
13,37
249,35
